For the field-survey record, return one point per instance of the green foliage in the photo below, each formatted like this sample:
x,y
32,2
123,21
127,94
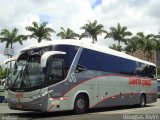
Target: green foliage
x,y
11,37
118,33
67,34
92,30
116,47
158,72
146,43
40,32
132,45
2,73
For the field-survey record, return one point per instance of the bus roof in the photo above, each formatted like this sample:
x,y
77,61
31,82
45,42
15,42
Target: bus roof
x,y
96,47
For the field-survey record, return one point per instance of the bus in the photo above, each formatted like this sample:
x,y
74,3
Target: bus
x,y
2,85
4,82
75,75
9,67
2,90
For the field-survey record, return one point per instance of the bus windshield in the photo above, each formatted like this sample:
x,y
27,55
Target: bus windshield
x,y
27,72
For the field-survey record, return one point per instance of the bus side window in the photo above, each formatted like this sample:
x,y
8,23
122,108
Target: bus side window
x,y
56,72
146,71
87,61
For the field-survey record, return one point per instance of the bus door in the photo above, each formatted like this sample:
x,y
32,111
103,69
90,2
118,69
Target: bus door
x,y
57,73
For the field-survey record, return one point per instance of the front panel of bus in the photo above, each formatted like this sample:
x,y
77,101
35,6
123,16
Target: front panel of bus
x,y
31,86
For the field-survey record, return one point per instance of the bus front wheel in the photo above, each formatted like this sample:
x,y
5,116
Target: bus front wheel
x,y
80,105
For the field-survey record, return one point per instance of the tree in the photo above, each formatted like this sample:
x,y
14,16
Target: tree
x,y
116,47
11,37
157,48
40,32
157,38
118,33
92,30
158,72
132,45
146,43
2,73
67,34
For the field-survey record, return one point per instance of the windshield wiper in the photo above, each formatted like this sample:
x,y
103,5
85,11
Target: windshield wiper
x,y
19,76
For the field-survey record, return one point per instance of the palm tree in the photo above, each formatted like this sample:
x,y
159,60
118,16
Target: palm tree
x,y
67,34
40,32
157,38
118,33
92,30
11,37
146,43
132,46
116,47
2,73
157,48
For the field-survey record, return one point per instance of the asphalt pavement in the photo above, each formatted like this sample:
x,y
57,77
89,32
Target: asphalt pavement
x,y
150,112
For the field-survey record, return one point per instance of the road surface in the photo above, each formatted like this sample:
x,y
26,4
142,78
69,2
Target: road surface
x,y
151,112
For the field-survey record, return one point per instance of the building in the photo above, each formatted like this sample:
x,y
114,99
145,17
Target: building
x,y
154,57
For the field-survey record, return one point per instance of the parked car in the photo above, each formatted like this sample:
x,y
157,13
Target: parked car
x,y
3,92
2,85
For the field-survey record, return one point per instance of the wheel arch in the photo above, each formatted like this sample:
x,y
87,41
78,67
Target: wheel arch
x,y
145,95
84,92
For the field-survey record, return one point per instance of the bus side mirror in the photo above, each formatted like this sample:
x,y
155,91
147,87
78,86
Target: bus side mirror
x,y
46,55
80,68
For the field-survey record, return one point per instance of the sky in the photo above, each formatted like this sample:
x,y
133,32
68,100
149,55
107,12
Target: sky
x,y
137,15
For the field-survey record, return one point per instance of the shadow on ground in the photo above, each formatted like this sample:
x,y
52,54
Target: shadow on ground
x,y
41,115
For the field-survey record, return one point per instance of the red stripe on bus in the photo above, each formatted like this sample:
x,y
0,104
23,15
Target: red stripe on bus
x,y
93,79
114,97
49,110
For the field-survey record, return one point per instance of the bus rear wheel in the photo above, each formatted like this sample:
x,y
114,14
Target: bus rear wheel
x,y
80,105
142,101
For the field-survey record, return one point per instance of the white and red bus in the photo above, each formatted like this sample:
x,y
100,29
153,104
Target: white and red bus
x,y
74,75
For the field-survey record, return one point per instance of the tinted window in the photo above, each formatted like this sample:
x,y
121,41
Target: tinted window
x,y
88,60
60,64
70,53
93,60
57,71
158,88
114,64
144,70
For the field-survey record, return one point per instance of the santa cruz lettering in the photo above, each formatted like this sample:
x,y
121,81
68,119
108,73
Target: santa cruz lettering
x,y
138,81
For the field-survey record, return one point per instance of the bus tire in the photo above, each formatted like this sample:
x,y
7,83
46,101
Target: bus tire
x,y
142,101
80,105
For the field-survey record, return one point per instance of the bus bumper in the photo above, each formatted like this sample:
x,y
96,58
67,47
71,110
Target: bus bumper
x,y
30,105
25,106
